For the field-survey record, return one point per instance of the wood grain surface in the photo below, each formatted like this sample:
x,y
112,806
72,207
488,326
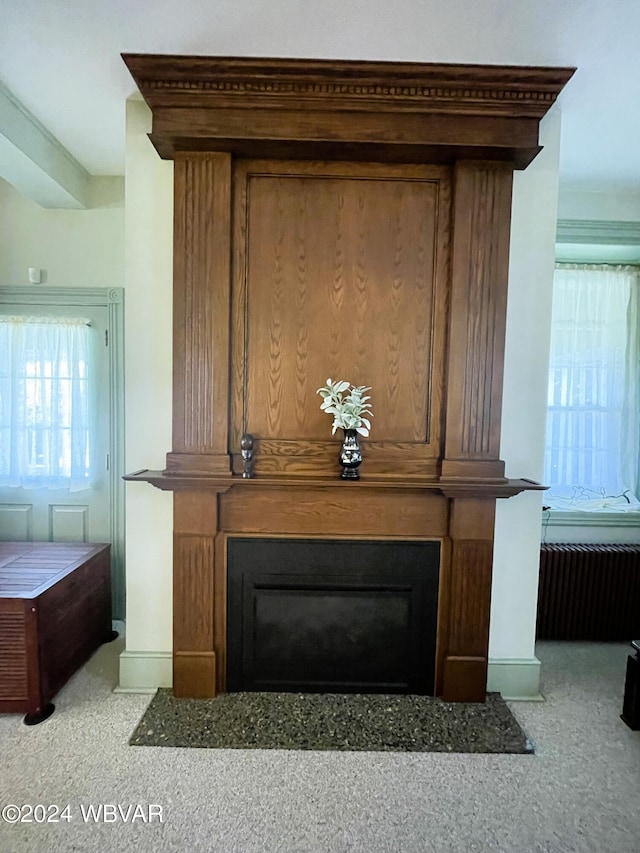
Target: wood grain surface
x,y
347,220
339,271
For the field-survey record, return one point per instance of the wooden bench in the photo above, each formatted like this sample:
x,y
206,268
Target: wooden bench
x,y
55,610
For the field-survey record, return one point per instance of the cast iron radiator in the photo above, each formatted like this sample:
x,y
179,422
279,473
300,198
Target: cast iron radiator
x,y
589,592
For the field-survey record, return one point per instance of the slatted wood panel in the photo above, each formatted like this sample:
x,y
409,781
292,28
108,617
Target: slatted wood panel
x,y
55,610
28,569
589,592
13,652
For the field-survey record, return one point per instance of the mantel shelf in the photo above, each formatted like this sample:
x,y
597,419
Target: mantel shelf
x,y
449,488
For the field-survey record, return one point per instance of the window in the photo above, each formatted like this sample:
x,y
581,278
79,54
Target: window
x,y
593,416
44,403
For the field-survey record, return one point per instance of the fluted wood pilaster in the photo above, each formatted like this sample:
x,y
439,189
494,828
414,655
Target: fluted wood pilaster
x,y
480,259
202,235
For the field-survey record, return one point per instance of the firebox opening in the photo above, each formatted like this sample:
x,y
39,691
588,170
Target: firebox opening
x,y
329,615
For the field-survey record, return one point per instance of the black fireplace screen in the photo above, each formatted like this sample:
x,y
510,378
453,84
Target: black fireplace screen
x,y
332,615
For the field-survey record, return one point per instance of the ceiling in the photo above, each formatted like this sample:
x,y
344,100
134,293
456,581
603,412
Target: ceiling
x,y
62,62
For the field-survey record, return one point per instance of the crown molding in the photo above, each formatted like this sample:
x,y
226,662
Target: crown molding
x,y
394,111
514,89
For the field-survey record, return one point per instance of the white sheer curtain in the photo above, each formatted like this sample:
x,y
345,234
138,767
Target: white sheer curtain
x,y
45,430
591,454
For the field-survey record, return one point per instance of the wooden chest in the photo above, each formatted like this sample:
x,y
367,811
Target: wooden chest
x,y
55,610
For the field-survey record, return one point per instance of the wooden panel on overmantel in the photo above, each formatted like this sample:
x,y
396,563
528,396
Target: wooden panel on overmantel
x,y
340,270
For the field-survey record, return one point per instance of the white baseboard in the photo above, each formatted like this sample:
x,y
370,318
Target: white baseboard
x,y
144,672
514,678
517,679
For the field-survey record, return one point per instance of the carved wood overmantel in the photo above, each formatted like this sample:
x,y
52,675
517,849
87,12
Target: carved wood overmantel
x,y
343,219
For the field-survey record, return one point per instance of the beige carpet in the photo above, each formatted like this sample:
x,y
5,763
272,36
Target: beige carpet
x,y
578,793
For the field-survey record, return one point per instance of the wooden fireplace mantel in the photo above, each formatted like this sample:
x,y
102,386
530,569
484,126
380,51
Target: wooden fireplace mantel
x,y
168,482
344,219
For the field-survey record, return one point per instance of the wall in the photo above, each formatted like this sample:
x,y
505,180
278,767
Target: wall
x,y
612,205
514,669
146,663
77,248
601,530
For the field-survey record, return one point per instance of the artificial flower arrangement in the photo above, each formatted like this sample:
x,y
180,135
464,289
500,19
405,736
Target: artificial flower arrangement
x,y
350,410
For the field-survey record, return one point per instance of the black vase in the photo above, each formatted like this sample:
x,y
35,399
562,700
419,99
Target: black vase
x,y
350,455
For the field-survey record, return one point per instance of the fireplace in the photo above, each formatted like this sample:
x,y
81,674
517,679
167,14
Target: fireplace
x,y
343,219
332,615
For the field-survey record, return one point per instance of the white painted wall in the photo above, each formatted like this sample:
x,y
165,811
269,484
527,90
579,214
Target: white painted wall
x,y
76,248
517,542
599,532
148,342
613,205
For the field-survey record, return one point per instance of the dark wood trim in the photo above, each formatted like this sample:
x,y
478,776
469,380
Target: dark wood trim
x,y
380,111
509,89
505,488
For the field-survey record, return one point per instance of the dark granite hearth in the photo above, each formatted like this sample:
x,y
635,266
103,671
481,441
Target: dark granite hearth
x,y
322,721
